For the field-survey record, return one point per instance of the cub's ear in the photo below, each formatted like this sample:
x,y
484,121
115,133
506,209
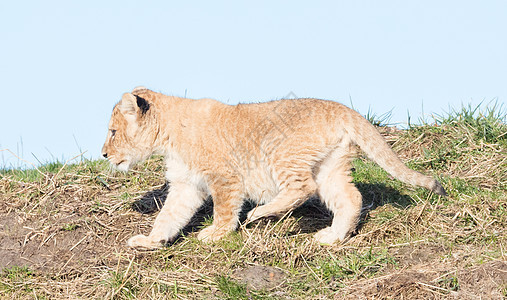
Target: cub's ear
x,y
139,89
142,104
128,104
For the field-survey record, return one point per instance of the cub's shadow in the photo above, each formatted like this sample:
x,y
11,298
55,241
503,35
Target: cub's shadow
x,y
312,215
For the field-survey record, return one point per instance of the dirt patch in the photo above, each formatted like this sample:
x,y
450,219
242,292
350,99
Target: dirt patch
x,y
54,249
435,282
260,277
485,281
62,237
417,254
11,240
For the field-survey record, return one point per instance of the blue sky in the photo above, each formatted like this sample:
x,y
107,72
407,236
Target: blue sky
x,y
64,64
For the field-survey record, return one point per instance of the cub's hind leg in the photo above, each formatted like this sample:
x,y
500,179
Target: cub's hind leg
x,y
339,195
296,187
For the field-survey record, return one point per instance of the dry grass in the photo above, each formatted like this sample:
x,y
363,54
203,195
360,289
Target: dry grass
x,y
64,230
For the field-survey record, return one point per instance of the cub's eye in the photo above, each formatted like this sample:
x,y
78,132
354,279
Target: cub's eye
x,y
113,132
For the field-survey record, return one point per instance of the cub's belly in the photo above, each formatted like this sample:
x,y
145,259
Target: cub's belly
x,y
260,186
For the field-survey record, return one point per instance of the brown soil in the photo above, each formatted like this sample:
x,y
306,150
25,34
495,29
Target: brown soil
x,y
260,277
423,275
62,243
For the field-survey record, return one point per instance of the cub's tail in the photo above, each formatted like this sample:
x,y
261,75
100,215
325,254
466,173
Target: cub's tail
x,y
366,136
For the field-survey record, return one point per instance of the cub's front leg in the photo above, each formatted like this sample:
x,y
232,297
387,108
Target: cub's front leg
x,y
183,200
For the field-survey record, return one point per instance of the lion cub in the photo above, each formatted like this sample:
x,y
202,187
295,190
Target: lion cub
x,y
278,154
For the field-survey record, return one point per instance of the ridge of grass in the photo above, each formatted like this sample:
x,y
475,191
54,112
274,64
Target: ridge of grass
x,y
64,229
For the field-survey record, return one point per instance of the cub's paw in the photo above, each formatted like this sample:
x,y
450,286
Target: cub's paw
x,y
211,234
326,236
251,216
256,214
145,242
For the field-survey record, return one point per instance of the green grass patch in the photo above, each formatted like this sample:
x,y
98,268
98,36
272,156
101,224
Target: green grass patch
x,y
16,279
353,265
121,285
231,289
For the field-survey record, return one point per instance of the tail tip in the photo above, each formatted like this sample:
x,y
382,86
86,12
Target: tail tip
x,y
438,189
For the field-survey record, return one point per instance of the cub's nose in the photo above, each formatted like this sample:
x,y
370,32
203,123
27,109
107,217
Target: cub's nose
x,y
105,155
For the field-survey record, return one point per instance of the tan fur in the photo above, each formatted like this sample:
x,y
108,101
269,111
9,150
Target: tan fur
x,y
277,154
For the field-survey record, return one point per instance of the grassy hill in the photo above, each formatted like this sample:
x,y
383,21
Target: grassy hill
x,y
63,230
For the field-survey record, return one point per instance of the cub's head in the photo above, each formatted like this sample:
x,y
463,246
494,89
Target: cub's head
x,y
132,131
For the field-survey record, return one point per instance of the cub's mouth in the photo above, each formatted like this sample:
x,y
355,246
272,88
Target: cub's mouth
x,y
120,162
123,165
